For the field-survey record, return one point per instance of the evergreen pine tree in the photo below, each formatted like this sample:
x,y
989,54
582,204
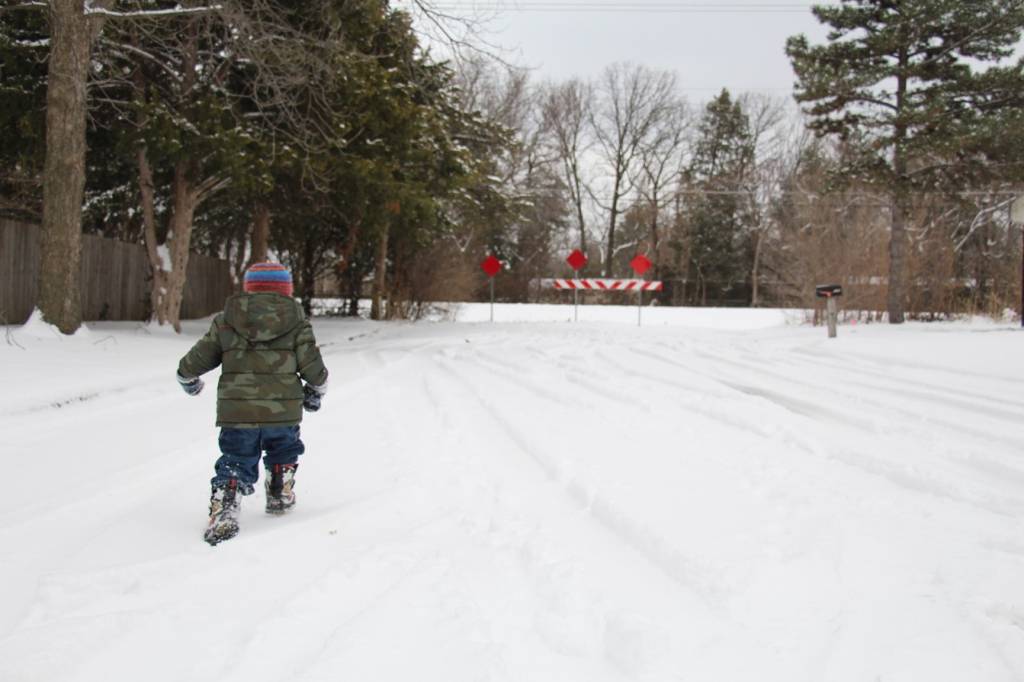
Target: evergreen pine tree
x,y
722,157
905,79
24,40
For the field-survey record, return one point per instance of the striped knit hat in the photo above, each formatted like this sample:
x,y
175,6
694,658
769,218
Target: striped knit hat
x,y
268,277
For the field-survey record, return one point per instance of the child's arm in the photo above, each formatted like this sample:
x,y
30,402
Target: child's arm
x,y
204,356
307,356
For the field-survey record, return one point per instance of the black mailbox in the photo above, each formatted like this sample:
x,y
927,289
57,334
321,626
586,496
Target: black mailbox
x,y
828,290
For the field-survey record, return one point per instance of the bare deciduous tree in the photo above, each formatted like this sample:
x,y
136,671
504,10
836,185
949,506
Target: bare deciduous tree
x,y
766,116
75,26
660,163
566,111
631,101
72,32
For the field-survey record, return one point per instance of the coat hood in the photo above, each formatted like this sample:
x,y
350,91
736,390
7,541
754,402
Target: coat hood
x,y
262,317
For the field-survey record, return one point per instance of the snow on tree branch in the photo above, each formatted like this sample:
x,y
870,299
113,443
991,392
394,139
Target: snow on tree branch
x,y
90,10
23,5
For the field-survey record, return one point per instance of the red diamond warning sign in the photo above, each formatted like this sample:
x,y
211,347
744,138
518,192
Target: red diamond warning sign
x,y
491,265
576,260
640,264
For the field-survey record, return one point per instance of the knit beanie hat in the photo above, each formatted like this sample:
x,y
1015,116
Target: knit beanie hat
x,y
268,277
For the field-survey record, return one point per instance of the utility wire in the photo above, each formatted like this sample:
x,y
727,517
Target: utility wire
x,y
626,7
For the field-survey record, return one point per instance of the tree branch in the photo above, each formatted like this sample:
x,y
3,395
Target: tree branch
x,y
22,6
111,14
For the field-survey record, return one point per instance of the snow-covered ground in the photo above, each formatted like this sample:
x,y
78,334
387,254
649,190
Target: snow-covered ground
x,y
719,495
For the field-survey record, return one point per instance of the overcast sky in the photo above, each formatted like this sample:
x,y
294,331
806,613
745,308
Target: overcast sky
x,y
737,44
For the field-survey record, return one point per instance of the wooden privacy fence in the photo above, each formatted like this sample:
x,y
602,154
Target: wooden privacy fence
x,y
115,278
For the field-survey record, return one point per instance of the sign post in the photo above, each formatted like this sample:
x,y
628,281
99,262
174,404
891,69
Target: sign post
x,y
491,266
830,292
576,260
1017,216
640,265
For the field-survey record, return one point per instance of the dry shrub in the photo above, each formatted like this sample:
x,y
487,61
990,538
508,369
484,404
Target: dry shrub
x,y
831,240
423,285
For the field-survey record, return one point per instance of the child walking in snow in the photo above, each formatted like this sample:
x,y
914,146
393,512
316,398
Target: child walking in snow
x,y
266,346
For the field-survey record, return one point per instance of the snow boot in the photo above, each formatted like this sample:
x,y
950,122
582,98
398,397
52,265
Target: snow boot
x,y
224,508
279,484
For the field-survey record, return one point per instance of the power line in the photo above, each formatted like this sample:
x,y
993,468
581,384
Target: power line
x,y
619,7
733,89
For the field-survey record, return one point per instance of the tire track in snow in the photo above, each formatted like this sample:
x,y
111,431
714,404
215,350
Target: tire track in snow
x,y
92,396
933,394
593,388
730,416
595,379
999,470
567,615
832,392
683,570
926,388
509,374
907,477
903,363
322,594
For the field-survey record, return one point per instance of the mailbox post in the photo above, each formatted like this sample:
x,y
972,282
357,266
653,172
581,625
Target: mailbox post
x,y
830,292
1017,216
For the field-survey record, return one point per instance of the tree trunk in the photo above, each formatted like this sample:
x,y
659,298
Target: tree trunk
x,y
397,293
240,260
654,232
185,200
610,257
354,279
355,291
898,235
755,294
186,195
380,276
308,281
260,233
60,293
583,228
897,261
156,265
348,249
578,201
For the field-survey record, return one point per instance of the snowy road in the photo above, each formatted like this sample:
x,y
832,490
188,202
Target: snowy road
x,y
530,501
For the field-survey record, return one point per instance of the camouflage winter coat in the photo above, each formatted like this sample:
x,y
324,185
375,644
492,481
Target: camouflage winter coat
x,y
265,344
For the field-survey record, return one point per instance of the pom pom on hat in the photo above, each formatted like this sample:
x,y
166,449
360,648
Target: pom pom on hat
x,y
268,278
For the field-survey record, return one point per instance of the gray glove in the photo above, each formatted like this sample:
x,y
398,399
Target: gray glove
x,y
191,386
311,396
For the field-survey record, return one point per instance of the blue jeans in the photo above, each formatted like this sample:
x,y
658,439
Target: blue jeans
x,y
241,449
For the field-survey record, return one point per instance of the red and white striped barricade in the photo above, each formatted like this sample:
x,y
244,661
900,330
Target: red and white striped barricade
x,y
607,284
637,285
